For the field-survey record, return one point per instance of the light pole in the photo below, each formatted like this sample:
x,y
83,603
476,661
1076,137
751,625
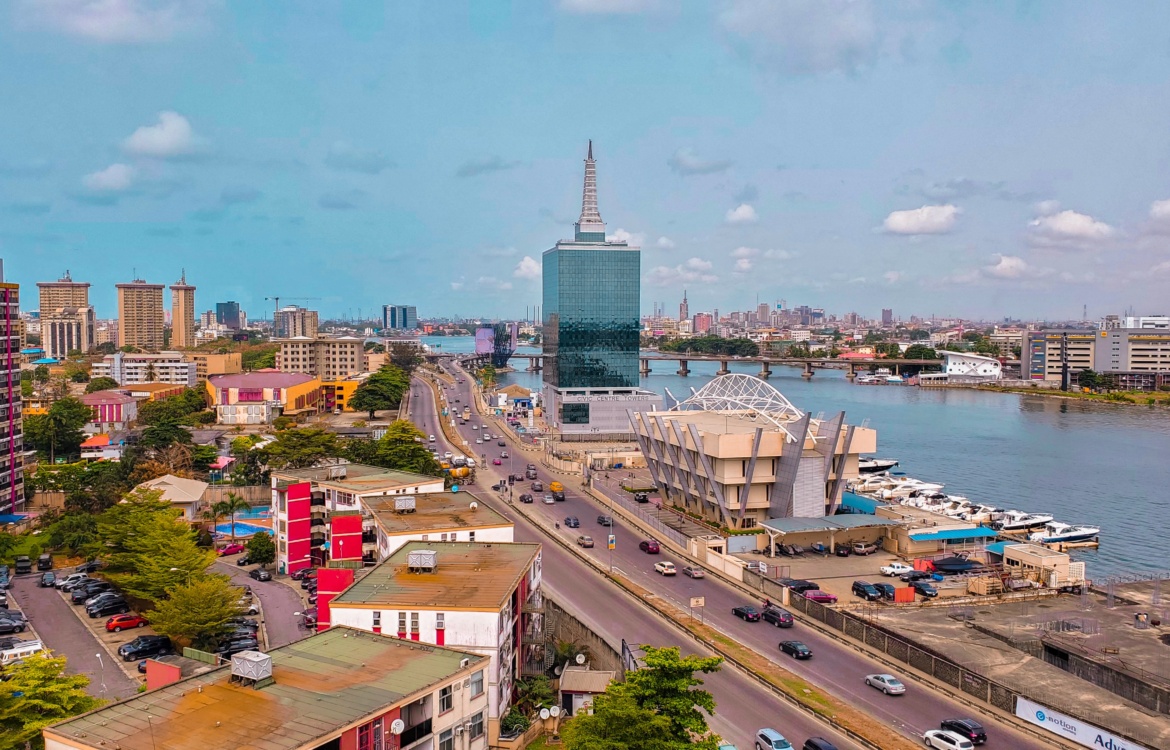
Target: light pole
x,y
180,570
102,664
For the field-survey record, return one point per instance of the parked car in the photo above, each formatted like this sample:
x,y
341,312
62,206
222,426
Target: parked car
x,y
649,546
887,590
101,598
248,607
88,566
887,683
605,520
242,561
799,585
915,575
304,573
694,571
770,739
864,548
105,607
48,580
118,623
940,738
69,581
665,568
925,589
842,550
746,612
866,591
781,618
45,562
968,728
790,550
572,522
896,569
82,594
585,541
260,574
5,582
11,626
821,597
795,649
309,618
232,549
24,565
244,622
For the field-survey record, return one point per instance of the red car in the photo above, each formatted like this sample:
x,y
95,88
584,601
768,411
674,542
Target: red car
x,y
649,546
232,549
118,623
823,597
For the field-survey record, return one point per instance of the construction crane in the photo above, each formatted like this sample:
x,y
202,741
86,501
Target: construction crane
x,y
276,308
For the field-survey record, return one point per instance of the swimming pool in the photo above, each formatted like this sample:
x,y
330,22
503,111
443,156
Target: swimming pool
x,y
258,511
242,529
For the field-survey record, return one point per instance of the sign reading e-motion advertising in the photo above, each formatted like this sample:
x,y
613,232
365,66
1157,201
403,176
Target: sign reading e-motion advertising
x,y
1070,728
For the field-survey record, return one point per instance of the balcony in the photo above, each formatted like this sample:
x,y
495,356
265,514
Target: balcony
x,y
370,538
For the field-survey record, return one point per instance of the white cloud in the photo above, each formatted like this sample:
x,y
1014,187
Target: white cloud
x,y
685,162
607,7
665,243
633,239
1160,210
925,220
893,277
457,285
171,137
1008,267
527,268
741,214
1047,208
744,252
115,178
779,254
1161,268
115,21
743,265
694,270
1069,229
491,283
804,36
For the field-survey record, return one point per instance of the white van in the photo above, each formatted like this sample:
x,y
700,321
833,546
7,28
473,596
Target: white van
x,y
20,650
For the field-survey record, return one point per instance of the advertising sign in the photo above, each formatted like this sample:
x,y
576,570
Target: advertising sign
x,y
698,601
612,541
1071,729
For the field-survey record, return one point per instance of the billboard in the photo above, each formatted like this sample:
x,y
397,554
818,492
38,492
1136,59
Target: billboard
x,y
1069,728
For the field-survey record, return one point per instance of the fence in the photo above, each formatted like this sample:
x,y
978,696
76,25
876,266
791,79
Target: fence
x,y
255,494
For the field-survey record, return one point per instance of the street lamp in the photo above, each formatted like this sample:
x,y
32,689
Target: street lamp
x,y
102,664
180,570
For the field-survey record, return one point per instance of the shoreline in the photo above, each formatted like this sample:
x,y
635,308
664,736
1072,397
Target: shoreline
x,y
1128,398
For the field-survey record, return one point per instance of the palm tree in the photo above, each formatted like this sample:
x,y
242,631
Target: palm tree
x,y
230,507
151,375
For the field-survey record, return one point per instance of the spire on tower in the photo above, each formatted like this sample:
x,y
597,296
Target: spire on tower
x,y
590,227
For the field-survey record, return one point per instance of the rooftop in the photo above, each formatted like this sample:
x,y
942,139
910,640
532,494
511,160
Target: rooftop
x,y
437,512
105,397
260,379
176,489
359,479
322,684
467,576
827,523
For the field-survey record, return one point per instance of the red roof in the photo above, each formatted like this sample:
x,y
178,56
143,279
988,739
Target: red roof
x,y
260,379
97,441
98,398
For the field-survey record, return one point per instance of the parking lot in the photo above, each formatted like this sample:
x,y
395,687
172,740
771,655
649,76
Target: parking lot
x,y
278,601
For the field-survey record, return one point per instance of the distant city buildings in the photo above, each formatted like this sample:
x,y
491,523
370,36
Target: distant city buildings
x,y
227,314
66,317
684,309
182,314
399,317
292,321
140,315
170,367
887,317
12,459
702,323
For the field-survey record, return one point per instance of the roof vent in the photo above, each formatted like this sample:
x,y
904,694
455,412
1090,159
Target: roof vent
x,y
252,668
404,504
422,561
337,472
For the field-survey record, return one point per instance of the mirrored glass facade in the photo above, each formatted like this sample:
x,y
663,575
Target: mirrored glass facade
x,y
591,304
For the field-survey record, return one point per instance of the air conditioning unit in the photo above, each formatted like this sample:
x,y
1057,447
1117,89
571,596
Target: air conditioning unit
x,y
464,662
459,730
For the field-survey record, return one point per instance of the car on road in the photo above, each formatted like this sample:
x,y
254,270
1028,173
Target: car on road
x,y
538,487
234,548
501,443
242,561
530,474
864,548
887,590
966,728
896,569
817,743
496,462
526,498
572,522
430,438
887,683
770,739
821,597
649,546
549,500
585,541
665,568
746,612
779,617
105,607
48,580
641,497
915,575
448,455
605,520
479,441
118,623
260,574
503,454
795,649
925,589
940,738
866,591
530,467
475,427
694,571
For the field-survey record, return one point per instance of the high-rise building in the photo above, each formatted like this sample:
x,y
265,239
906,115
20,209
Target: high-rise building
x,y
293,321
887,316
400,317
702,323
207,319
64,292
140,315
228,314
67,329
684,310
591,328
182,314
12,447
763,313
323,358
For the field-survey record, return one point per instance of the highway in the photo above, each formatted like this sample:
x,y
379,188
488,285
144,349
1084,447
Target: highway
x,y
837,668
742,705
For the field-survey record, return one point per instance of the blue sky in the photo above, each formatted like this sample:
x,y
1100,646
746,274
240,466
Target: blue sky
x,y
976,159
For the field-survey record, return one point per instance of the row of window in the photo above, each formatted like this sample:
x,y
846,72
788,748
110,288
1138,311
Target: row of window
x,y
474,731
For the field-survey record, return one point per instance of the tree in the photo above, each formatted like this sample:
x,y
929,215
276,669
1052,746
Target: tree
x,y
163,434
261,549
151,372
405,356
487,375
101,384
401,448
228,508
668,687
41,374
1090,379
8,542
299,449
534,693
73,532
106,347
198,612
382,390
921,351
164,554
35,693
59,430
619,723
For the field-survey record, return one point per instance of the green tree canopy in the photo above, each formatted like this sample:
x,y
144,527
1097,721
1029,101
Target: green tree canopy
x,y
163,433
299,449
197,612
619,723
41,373
921,351
176,409
382,390
713,345
261,549
59,430
667,686
101,384
35,693
401,448
405,356
73,532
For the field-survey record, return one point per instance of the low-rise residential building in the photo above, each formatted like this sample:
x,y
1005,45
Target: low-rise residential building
x,y
320,513
479,596
101,447
338,393
442,516
329,359
113,411
184,494
261,396
153,391
173,368
342,689
207,364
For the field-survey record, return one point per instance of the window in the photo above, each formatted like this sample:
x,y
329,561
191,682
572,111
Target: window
x,y
365,741
446,699
476,730
471,536
377,619
414,623
477,684
440,621
447,740
402,623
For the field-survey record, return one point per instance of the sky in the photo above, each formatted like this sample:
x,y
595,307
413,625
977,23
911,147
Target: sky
x,y
976,159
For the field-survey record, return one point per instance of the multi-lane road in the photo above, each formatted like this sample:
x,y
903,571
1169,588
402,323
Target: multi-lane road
x,y
835,667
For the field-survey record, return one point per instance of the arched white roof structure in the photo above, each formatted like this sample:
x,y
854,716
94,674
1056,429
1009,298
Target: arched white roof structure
x,y
745,396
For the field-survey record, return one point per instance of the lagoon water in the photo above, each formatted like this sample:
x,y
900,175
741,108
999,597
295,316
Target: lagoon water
x,y
1102,464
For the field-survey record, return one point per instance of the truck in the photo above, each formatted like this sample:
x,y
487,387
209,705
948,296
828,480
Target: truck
x,y
466,414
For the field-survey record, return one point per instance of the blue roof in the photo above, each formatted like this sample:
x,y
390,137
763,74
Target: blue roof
x,y
981,532
45,361
997,547
33,350
860,503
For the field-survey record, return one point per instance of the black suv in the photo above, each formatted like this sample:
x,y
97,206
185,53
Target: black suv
x,y
605,520
866,591
966,728
23,565
144,646
113,606
781,618
799,585
79,594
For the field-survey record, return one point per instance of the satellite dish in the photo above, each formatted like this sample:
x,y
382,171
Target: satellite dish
x,y
545,713
580,658
558,669
397,726
454,488
473,506
555,711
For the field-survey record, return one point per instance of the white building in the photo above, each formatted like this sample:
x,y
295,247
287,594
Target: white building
x,y
441,516
476,596
134,369
966,365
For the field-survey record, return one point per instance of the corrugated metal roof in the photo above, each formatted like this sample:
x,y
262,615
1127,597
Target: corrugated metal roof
x,y
581,680
322,683
827,523
468,575
981,532
358,478
997,547
434,511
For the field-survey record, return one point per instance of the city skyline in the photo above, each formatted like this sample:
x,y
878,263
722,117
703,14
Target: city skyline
x,y
808,174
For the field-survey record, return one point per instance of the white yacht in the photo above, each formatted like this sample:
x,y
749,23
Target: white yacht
x,y
874,465
1018,520
981,513
1055,531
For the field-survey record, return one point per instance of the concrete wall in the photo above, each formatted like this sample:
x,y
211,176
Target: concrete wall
x,y
566,627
